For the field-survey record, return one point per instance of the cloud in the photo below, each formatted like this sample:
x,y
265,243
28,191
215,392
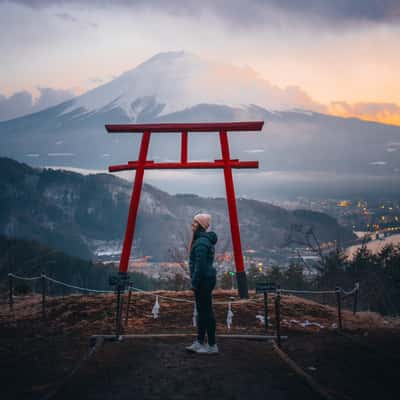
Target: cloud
x,y
17,104
66,17
254,11
388,113
22,103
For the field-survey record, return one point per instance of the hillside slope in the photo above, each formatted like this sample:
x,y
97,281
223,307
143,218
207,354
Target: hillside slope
x,y
85,215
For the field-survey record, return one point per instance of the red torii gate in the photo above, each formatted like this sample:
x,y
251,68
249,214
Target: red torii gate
x,y
226,163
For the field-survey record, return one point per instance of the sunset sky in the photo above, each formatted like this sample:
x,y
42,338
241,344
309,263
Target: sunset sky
x,y
343,55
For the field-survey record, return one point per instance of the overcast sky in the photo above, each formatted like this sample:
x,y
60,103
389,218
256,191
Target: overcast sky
x,y
341,53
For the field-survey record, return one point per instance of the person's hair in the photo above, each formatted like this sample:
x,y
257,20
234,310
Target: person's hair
x,y
200,228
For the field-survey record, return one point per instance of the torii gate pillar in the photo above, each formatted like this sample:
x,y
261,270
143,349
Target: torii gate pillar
x,y
226,164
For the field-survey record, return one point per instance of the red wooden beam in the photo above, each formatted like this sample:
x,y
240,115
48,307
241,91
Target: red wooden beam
x,y
188,165
184,146
232,209
226,163
190,127
134,205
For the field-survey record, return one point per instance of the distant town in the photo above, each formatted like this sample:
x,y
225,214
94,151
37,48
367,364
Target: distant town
x,y
373,223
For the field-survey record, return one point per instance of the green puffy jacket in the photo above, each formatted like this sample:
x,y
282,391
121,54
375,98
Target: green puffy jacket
x,y
202,258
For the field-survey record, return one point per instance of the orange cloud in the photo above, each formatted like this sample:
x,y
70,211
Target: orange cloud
x,y
387,113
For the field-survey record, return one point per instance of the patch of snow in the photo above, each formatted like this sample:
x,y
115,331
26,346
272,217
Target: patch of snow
x,y
301,111
61,154
77,170
378,163
375,246
254,151
306,323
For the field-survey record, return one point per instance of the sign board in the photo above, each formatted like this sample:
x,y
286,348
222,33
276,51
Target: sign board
x,y
121,279
263,287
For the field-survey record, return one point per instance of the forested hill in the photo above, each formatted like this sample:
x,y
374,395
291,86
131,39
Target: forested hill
x,y
84,215
28,258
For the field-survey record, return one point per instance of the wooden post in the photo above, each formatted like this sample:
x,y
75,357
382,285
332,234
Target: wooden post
x,y
339,305
10,291
128,305
355,300
278,315
266,311
43,296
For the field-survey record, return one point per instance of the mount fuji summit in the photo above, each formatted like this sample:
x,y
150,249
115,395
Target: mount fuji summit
x,y
182,87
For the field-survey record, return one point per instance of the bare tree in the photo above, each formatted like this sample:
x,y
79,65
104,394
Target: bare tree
x,y
305,236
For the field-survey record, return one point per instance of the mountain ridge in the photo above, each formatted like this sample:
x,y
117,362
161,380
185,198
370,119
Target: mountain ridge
x,y
83,215
314,152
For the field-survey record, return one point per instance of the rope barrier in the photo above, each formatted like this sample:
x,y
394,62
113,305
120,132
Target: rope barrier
x,y
77,287
191,301
24,278
241,301
156,308
352,291
159,296
307,291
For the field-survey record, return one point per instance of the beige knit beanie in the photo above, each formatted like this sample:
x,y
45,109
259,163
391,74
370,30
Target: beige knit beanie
x,y
203,219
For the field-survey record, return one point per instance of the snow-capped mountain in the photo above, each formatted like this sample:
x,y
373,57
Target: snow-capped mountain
x,y
297,148
171,82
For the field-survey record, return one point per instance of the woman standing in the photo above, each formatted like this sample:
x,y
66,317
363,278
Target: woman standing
x,y
203,279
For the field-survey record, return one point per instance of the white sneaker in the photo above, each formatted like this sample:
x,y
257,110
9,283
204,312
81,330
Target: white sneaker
x,y
207,349
196,345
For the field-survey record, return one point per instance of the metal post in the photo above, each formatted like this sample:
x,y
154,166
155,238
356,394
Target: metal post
x,y
43,296
339,305
118,312
10,291
128,305
121,307
278,315
355,300
120,286
134,204
233,217
266,311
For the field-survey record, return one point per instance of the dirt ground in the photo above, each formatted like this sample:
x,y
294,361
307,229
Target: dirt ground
x,y
355,365
162,369
35,355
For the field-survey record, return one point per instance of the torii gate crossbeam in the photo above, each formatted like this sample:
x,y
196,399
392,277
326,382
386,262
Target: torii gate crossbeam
x,y
226,163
